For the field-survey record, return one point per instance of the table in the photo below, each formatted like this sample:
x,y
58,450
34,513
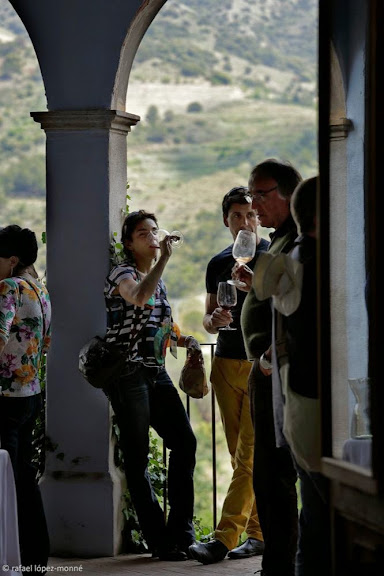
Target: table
x,y
9,534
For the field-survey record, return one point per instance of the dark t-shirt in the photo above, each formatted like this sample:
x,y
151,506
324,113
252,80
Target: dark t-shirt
x,y
230,344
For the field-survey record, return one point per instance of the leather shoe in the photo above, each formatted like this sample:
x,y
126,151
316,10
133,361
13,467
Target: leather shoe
x,y
186,551
251,547
170,554
209,552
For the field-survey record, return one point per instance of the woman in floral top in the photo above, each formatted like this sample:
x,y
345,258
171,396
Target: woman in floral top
x,y
140,323
25,317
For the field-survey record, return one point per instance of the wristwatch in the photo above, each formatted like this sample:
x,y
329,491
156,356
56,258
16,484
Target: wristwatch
x,y
264,363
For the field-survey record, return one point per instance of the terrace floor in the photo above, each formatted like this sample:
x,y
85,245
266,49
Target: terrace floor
x,y
143,564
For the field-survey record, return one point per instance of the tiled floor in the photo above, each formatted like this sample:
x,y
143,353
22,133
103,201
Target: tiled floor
x,y
141,565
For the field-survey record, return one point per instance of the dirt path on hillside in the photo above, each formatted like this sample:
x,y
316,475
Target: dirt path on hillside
x,y
176,97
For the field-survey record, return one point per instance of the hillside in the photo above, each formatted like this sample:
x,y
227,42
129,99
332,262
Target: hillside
x,y
205,37
219,85
232,84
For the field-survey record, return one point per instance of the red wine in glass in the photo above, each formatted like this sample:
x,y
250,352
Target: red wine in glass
x,y
226,299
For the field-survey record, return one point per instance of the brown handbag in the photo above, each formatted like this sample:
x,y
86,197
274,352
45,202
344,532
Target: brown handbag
x,y
193,379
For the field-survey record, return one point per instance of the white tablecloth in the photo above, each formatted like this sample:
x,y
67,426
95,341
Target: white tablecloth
x,y
9,535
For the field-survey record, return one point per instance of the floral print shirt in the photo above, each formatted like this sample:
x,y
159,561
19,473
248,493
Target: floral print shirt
x,y
22,326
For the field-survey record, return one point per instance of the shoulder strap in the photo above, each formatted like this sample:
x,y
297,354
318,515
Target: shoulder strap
x,y
39,299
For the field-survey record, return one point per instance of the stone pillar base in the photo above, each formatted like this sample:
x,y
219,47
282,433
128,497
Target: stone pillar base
x,y
83,514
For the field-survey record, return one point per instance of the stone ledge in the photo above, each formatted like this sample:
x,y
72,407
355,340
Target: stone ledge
x,y
82,120
339,128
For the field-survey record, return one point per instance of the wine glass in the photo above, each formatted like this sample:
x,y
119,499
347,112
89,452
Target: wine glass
x,y
226,298
176,236
243,251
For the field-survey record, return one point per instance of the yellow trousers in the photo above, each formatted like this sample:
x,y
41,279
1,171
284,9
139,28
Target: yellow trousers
x,y
230,382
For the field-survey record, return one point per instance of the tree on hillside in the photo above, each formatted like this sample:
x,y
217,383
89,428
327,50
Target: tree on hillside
x,y
194,107
152,116
25,178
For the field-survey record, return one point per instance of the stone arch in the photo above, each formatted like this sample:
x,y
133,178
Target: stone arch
x,y
85,50
136,32
339,123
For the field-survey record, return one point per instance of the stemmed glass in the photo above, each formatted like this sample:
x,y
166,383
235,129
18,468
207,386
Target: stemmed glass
x,y
226,298
176,237
243,251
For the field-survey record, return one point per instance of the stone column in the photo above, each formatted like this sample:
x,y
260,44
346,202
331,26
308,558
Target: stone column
x,y
86,188
338,223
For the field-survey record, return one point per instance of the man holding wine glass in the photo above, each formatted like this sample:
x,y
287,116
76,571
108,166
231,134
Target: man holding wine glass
x,y
271,185
229,377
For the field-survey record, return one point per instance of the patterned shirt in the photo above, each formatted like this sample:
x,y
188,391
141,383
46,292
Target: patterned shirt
x,y
22,326
151,326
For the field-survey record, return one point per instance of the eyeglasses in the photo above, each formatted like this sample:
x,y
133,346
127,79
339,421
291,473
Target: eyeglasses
x,y
259,195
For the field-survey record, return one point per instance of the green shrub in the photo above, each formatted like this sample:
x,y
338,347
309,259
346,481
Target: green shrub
x,y
220,78
194,107
169,116
152,116
12,64
191,69
157,134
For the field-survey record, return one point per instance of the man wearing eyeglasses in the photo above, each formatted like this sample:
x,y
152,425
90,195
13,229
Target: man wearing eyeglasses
x,y
271,185
229,377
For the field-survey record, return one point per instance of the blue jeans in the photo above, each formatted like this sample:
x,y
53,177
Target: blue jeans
x,y
17,421
314,547
147,398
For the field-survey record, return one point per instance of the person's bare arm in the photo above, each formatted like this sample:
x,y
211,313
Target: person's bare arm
x,y
138,293
214,315
185,341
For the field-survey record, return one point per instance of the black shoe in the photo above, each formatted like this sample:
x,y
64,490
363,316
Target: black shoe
x,y
208,553
251,547
171,554
186,551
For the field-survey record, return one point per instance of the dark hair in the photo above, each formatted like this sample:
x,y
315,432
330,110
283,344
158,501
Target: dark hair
x,y
286,176
20,242
237,195
303,204
129,226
